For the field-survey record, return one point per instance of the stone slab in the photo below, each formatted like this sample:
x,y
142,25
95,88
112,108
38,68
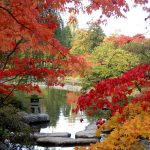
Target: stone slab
x,y
86,134
63,141
56,134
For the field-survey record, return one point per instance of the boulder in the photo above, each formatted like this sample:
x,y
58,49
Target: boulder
x,y
91,126
89,132
63,141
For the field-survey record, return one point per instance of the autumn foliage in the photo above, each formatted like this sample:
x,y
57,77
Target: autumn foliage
x,y
114,93
122,39
126,133
28,47
128,99
27,26
30,52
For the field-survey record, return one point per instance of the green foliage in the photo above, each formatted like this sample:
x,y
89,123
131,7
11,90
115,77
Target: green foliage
x,y
63,34
142,49
95,36
10,120
108,61
59,29
113,58
11,100
57,99
17,104
80,44
67,37
86,40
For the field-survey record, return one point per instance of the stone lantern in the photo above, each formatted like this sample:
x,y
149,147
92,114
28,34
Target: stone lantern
x,y
35,104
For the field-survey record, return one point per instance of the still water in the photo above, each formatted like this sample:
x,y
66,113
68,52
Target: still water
x,y
58,104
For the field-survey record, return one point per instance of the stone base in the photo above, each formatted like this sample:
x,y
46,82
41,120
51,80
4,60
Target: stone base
x,y
64,142
35,118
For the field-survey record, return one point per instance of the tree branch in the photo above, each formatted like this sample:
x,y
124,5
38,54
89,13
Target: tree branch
x,y
8,56
14,17
9,79
25,26
12,90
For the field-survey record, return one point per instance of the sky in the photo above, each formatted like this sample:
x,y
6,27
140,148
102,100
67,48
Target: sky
x,y
132,25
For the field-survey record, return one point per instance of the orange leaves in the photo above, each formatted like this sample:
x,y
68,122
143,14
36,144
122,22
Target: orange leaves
x,y
23,19
131,117
126,136
72,20
122,39
28,88
72,98
28,27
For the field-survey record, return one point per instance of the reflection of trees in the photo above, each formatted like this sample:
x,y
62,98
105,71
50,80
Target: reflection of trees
x,y
72,98
66,110
55,101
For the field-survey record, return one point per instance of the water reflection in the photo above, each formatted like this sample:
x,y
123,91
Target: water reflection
x,y
53,103
58,104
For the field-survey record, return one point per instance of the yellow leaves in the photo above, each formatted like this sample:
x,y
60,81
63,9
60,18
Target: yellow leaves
x,y
98,131
122,147
113,122
126,136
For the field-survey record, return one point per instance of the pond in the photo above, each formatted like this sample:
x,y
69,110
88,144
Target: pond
x,y
58,104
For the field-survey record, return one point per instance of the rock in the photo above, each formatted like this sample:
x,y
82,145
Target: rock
x,y
60,139
91,126
63,141
89,132
86,134
57,134
102,137
146,144
3,146
39,125
35,118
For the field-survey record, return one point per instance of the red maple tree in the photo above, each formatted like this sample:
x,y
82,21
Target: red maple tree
x,y
114,93
120,40
28,27
28,47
